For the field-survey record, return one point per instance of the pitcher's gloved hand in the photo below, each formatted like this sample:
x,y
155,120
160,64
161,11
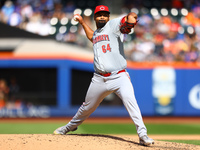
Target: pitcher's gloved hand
x,y
126,27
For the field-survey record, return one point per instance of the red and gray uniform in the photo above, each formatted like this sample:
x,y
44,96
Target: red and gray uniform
x,y
110,77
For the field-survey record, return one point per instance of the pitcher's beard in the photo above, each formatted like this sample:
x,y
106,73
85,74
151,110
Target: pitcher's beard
x,y
101,23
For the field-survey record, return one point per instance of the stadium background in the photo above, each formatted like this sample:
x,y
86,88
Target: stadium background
x,y
46,60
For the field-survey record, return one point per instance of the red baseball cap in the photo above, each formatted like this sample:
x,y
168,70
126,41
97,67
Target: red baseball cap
x,y
101,8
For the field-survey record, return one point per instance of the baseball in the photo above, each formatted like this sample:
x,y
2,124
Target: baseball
x,y
75,17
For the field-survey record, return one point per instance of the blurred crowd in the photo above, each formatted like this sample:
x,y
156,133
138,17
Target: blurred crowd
x,y
166,38
9,94
169,33
34,15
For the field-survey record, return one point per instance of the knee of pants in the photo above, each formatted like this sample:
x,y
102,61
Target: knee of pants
x,y
88,107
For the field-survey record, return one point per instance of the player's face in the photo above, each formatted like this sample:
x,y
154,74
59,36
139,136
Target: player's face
x,y
101,18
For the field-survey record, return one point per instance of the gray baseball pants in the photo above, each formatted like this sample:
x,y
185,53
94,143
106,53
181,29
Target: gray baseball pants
x,y
99,88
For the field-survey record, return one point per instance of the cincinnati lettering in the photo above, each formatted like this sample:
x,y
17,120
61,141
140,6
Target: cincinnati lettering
x,y
100,38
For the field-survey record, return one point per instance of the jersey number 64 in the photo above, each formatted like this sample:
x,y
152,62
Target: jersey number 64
x,y
106,48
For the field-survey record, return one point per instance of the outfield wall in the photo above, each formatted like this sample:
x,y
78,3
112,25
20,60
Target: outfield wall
x,y
160,89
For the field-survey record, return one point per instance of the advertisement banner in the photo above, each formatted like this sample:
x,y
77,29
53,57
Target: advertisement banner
x,y
161,90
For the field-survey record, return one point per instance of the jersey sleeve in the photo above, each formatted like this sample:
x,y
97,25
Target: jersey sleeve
x,y
115,25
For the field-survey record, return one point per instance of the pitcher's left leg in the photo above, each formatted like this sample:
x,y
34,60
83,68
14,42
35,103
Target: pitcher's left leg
x,y
126,93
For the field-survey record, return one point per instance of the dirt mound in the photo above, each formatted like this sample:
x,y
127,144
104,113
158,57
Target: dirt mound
x,y
82,142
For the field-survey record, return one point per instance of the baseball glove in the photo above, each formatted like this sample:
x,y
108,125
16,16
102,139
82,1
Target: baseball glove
x,y
125,27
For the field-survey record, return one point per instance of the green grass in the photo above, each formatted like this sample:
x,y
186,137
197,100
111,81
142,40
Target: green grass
x,y
173,128
152,128
28,128
48,128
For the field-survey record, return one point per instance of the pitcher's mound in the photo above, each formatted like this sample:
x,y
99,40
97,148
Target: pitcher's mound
x,y
82,142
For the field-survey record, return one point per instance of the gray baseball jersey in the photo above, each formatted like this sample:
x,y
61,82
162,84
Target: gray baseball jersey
x,y
108,48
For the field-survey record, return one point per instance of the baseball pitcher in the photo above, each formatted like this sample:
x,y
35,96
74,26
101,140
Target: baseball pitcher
x,y
110,70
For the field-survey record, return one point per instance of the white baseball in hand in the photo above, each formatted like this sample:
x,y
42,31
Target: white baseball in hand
x,y
76,17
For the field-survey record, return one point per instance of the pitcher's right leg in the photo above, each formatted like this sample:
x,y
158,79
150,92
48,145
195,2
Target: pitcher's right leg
x,y
96,93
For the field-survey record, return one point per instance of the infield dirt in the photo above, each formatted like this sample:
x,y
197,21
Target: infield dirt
x,y
84,142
